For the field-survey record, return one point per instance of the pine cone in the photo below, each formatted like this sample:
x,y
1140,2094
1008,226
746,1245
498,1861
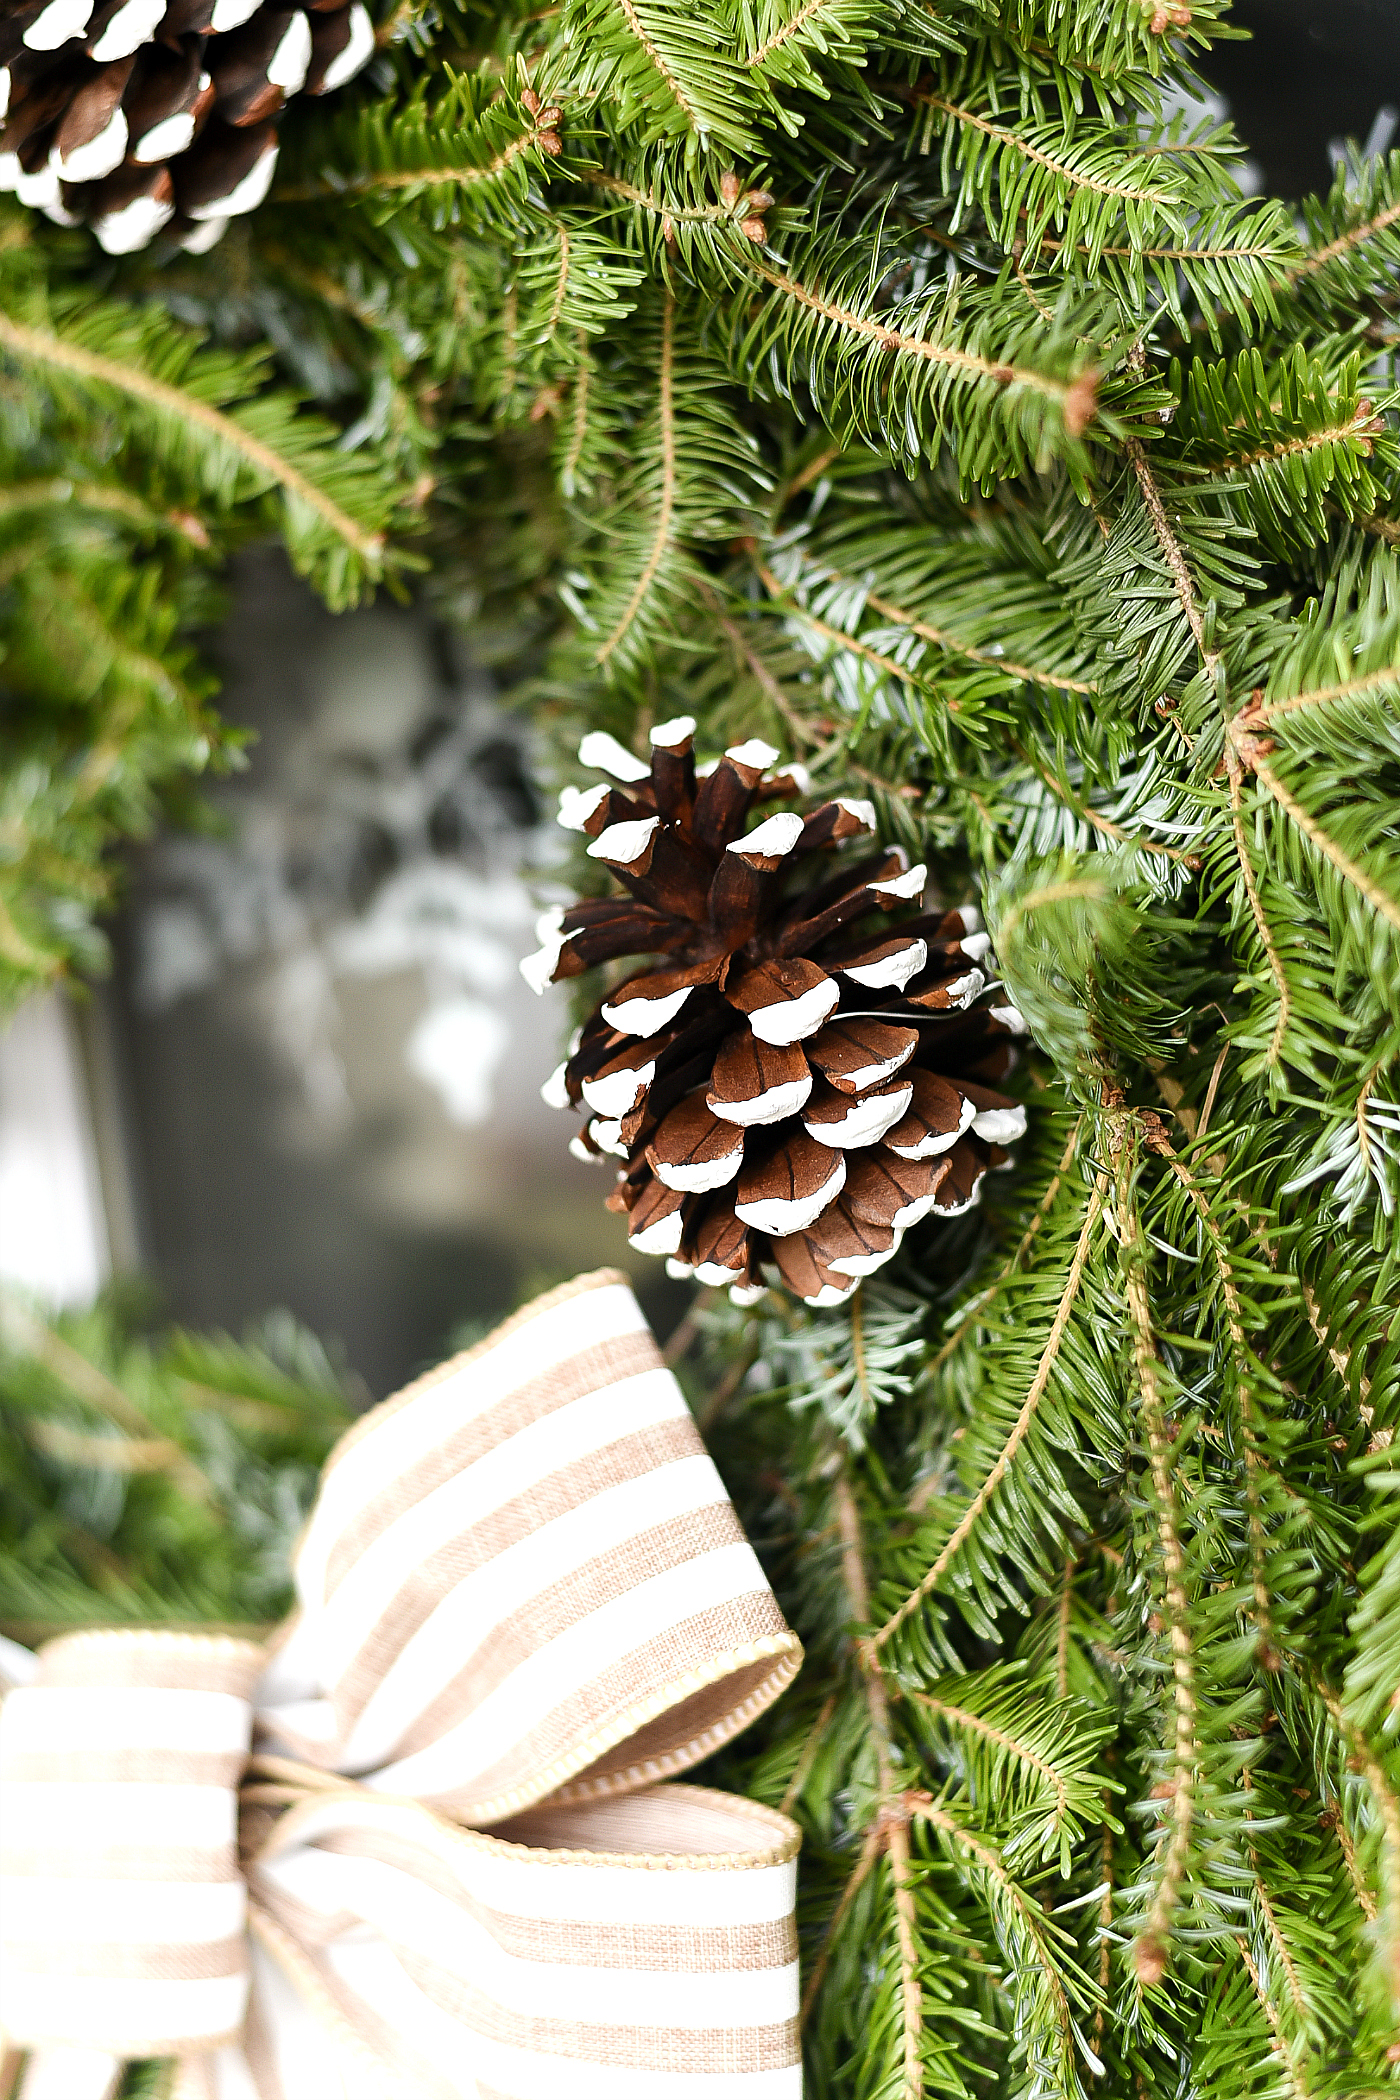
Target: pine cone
x,y
138,115
806,1074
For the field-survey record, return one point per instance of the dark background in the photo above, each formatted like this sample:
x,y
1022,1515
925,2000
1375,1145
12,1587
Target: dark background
x,y
1314,70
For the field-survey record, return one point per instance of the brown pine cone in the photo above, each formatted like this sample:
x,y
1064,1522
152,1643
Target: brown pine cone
x,y
138,115
807,1070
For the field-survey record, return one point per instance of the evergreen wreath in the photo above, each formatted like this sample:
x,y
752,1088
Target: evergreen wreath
x,y
912,387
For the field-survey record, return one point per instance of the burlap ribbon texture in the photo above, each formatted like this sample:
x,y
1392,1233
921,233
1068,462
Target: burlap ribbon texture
x,y
426,1845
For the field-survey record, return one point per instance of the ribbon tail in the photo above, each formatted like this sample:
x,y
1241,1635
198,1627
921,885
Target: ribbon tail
x,y
61,2073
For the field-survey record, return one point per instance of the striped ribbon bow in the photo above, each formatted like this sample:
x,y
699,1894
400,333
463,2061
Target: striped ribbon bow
x,y
523,1600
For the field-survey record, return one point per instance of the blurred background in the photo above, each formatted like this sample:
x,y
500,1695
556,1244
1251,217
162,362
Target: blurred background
x,y
312,1078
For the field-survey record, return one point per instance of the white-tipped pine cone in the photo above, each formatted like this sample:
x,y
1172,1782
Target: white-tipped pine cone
x,y
807,1071
137,116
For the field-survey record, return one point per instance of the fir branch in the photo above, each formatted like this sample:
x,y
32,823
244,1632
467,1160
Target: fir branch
x,y
106,500
1001,1739
807,1756
1248,1374
1064,1616
1366,1902
115,1454
1384,683
1042,1971
803,737
813,48
1375,893
659,207
873,1846
205,1537
226,436
1074,399
1360,425
1074,176
1280,1948
1098,822
1151,1952
967,1524
45,349
658,60
1105,1933
1356,236
825,572
782,32
571,477
1172,550
386,182
1297,2081
666,493
23,1329
671,70
1235,775
891,1821
837,637
974,1312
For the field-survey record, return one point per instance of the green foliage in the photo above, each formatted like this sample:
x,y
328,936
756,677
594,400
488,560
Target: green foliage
x,y
155,1479
916,389
131,454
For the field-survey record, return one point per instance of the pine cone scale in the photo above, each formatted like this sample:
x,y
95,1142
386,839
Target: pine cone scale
x,y
856,1055
645,1005
167,104
835,1119
693,1150
756,1082
884,966
938,1115
788,1188
127,29
785,1001
50,28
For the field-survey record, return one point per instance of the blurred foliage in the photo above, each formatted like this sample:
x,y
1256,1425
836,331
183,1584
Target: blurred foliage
x,y
155,1479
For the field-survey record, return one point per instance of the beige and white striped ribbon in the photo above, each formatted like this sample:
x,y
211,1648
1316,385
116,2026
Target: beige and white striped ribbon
x,y
524,1600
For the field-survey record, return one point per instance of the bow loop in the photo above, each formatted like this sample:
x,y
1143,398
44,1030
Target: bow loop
x,y
523,1575
523,1599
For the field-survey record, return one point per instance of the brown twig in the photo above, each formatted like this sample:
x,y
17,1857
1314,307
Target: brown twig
x,y
1154,1939
889,1823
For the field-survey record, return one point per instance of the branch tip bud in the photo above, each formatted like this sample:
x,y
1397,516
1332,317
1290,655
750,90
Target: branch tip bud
x,y
1082,403
1150,1961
